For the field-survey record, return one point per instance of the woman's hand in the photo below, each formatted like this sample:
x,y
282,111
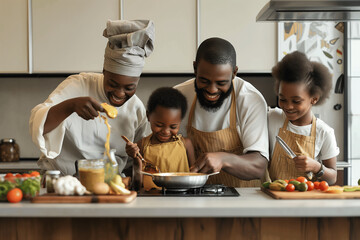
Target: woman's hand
x,y
86,107
306,164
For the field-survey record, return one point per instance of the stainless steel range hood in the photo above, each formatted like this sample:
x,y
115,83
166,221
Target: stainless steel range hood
x,y
310,10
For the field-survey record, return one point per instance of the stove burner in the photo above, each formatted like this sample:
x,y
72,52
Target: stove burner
x,y
216,190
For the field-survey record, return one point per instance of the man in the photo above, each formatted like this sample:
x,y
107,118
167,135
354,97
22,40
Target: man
x,y
66,127
227,121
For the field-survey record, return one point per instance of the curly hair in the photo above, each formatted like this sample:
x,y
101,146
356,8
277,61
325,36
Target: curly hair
x,y
167,97
297,68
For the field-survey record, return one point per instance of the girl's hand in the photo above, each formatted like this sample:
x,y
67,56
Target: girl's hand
x,y
132,149
306,164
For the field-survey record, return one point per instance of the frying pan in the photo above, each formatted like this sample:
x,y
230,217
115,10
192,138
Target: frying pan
x,y
179,181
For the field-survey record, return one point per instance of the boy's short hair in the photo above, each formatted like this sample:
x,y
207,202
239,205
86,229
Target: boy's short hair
x,y
167,97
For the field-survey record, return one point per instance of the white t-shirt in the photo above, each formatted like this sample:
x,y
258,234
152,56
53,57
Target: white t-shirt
x,y
251,117
325,141
76,138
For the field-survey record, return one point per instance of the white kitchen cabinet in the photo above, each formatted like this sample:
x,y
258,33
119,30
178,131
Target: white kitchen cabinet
x,y
175,33
67,34
235,21
13,36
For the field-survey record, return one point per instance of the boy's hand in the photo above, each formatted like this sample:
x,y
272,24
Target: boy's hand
x,y
132,149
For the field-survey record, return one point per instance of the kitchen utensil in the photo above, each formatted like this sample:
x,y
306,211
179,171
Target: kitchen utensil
x,y
147,164
54,198
314,194
291,153
179,181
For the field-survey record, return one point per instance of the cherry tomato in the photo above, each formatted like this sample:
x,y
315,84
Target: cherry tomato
x,y
9,176
293,179
14,195
26,175
18,175
301,179
311,185
35,173
317,185
324,186
290,187
287,181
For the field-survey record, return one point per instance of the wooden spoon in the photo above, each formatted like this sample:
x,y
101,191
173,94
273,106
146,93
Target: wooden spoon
x,y
142,159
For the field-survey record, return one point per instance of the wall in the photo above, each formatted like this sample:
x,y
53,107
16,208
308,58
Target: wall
x,y
19,95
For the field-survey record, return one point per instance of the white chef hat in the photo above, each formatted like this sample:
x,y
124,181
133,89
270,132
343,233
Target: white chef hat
x,y
129,42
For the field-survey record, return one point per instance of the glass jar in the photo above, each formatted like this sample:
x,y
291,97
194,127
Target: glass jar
x,y
9,150
50,177
91,171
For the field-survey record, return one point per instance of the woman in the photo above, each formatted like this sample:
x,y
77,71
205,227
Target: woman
x,y
63,136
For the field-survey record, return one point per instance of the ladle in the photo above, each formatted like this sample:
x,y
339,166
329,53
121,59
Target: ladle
x,y
141,157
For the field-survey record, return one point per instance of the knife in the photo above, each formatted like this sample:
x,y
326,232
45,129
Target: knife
x,y
290,153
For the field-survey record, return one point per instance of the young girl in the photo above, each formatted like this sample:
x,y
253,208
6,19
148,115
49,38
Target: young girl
x,y
165,148
300,84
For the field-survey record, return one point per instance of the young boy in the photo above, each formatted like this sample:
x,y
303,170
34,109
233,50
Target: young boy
x,y
164,147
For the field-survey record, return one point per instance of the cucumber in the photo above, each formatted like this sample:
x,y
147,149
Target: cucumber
x,y
303,187
296,184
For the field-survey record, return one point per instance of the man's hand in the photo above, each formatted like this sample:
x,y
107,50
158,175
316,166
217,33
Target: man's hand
x,y
208,163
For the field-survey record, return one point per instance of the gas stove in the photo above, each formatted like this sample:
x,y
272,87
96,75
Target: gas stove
x,y
211,190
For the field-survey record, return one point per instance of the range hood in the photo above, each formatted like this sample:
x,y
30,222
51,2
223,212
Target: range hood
x,y
310,10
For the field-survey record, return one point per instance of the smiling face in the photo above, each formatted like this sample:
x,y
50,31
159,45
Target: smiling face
x,y
165,123
119,88
295,101
213,83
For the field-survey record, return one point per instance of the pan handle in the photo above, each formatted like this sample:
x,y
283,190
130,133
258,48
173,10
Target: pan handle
x,y
210,174
146,173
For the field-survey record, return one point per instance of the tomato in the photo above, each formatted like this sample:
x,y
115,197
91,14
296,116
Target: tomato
x,y
324,186
26,175
14,195
301,179
287,181
317,185
290,187
35,173
9,175
18,175
310,185
293,179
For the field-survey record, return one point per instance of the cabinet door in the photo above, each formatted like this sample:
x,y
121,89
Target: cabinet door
x,y
13,36
175,33
235,21
67,34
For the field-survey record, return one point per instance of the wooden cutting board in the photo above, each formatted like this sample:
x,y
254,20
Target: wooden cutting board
x,y
314,194
54,198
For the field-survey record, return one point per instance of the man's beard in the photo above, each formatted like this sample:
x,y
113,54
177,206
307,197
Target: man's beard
x,y
208,106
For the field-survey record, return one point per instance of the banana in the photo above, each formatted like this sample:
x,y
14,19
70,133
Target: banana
x,y
118,189
118,180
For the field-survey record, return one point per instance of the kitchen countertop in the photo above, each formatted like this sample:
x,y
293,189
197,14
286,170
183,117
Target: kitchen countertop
x,y
22,164
251,203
